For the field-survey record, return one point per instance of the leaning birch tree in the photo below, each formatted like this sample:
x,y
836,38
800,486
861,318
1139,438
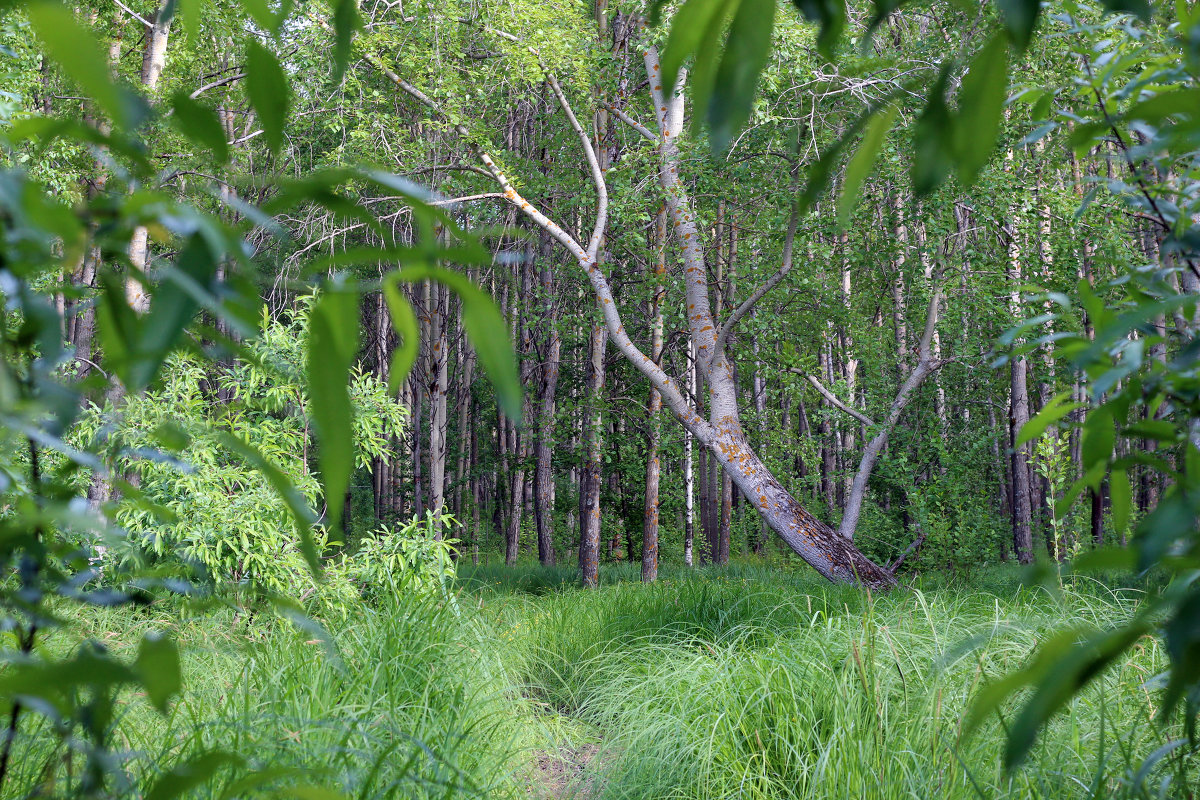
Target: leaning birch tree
x,y
719,432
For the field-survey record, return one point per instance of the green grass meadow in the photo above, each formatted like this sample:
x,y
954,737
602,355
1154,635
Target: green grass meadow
x,y
742,683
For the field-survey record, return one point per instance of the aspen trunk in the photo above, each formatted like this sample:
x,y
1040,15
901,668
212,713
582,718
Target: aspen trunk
x,y
849,373
464,472
1022,511
518,442
899,301
654,406
439,421
589,480
419,381
826,433
543,478
689,476
154,59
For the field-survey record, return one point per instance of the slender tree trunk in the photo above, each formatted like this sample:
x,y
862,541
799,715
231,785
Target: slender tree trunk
x,y
654,406
849,372
154,59
464,471
899,301
518,442
1047,386
439,420
1022,512
689,477
420,379
939,392
616,431
726,525
826,433
544,452
1004,493
589,481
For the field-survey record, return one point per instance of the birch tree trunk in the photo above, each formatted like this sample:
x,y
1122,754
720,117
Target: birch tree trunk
x,y
154,60
1022,511
439,421
689,476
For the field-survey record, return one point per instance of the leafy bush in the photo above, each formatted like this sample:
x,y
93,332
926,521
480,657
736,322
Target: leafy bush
x,y
206,507
412,555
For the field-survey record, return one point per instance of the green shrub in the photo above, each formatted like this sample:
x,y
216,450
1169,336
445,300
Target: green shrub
x,y
207,508
413,555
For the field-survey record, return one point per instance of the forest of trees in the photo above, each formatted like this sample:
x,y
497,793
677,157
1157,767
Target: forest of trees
x,y
906,295
303,297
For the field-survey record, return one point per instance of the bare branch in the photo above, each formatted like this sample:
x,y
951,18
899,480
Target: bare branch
x,y
134,14
832,398
217,83
452,201
631,122
245,138
913,547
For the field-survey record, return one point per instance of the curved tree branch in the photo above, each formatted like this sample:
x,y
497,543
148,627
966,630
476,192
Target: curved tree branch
x,y
589,152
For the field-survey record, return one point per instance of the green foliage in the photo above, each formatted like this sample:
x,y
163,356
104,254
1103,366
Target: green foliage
x,y
332,347
1052,461
269,92
207,505
413,557
192,479
1134,393
746,53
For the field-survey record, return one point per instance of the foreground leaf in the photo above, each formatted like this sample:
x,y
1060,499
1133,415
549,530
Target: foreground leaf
x,y
332,346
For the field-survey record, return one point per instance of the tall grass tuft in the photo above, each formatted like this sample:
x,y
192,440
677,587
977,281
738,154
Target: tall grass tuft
x,y
408,699
710,684
759,685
